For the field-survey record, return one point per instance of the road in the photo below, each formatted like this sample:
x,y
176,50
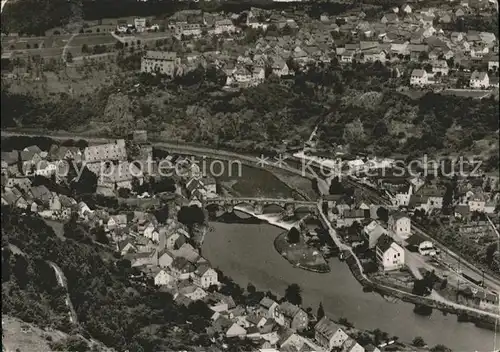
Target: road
x,y
61,279
183,148
65,49
3,4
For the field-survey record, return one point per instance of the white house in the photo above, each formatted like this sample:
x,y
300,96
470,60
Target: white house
x,y
427,248
477,202
419,78
440,66
400,224
151,232
403,196
406,9
390,255
280,67
271,310
205,276
329,334
165,258
224,26
192,292
236,331
479,80
163,278
45,168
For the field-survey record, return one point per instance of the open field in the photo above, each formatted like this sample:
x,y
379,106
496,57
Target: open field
x,y
21,336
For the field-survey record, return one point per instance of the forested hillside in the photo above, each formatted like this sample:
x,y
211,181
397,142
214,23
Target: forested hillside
x,y
353,105
110,307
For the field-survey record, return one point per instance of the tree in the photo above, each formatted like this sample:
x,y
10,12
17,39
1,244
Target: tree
x,y
315,185
336,186
85,48
440,348
251,288
380,130
191,215
162,214
123,192
418,342
86,183
293,294
100,235
345,322
490,253
321,312
383,214
69,57
293,235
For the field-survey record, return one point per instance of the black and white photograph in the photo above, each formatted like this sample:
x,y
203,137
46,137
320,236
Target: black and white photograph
x,y
250,176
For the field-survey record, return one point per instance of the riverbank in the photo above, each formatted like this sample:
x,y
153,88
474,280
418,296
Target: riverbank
x,y
463,315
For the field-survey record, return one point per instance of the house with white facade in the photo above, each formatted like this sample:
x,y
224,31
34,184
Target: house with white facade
x,y
270,309
162,277
400,224
390,255
402,197
204,276
419,78
479,80
440,66
329,334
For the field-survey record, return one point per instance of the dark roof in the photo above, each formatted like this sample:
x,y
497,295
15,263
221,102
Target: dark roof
x,y
384,242
356,214
431,191
398,215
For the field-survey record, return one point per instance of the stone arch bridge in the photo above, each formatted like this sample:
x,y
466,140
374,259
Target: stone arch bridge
x,y
257,205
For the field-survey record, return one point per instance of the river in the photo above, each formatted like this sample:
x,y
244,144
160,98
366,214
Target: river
x,y
246,254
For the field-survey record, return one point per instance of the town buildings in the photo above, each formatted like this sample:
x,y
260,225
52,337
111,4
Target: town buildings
x,y
390,255
164,63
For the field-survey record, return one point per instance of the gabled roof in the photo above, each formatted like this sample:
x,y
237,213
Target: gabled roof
x,y
384,243
289,310
476,75
202,269
41,193
267,302
33,148
327,327
398,215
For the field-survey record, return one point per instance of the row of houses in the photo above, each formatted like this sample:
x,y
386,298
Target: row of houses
x,y
430,197
478,80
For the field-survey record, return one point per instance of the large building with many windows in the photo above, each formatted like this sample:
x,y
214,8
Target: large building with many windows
x,y
159,62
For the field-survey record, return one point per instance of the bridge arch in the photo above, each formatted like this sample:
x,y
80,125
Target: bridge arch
x,y
302,208
272,207
244,203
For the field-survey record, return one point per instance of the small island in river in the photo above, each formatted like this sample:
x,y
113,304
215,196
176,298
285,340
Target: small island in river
x,y
295,248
